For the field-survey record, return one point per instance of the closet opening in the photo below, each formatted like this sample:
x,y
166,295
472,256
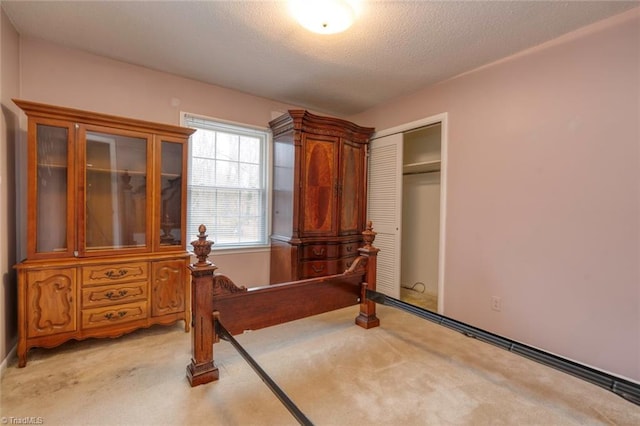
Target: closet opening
x,y
420,230
406,202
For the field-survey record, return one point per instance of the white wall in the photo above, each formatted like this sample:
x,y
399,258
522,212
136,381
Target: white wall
x,y
543,187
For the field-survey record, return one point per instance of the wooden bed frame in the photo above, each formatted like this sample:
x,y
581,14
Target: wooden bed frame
x,y
216,298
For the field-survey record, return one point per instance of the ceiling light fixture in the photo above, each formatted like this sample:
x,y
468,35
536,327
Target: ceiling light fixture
x,y
325,16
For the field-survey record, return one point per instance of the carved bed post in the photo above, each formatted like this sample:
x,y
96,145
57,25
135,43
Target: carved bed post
x,y
367,317
202,368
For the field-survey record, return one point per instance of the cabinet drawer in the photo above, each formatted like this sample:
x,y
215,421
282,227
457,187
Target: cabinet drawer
x,y
110,315
114,294
312,269
319,251
349,249
103,274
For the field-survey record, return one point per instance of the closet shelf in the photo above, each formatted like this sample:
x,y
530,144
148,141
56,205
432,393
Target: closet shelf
x,y
422,167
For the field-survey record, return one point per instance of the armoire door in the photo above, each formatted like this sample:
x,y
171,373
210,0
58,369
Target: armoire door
x,y
351,190
319,189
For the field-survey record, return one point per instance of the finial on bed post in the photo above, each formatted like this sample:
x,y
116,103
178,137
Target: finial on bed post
x,y
202,368
368,235
202,247
367,317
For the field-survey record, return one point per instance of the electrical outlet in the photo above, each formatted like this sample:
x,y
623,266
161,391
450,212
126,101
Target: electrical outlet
x,y
496,303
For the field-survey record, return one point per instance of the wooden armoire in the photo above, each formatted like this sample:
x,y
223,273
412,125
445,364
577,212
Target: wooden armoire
x,y
319,194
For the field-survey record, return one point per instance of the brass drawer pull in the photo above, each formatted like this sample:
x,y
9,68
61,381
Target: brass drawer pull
x,y
316,269
319,252
111,294
109,315
112,274
349,249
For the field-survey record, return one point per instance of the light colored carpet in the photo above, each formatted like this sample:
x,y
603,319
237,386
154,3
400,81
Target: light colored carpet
x,y
423,299
406,372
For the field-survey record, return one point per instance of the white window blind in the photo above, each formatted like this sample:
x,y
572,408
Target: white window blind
x,y
227,189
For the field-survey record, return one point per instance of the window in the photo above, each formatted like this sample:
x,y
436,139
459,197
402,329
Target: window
x,y
227,188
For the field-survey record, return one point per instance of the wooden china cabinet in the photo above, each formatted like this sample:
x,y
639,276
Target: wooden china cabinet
x,y
319,194
106,215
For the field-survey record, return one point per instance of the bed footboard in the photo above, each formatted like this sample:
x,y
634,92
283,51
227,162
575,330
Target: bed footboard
x,y
216,297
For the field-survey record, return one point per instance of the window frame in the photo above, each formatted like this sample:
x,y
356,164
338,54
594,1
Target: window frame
x,y
186,120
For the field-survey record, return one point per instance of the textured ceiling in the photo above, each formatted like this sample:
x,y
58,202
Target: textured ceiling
x,y
394,48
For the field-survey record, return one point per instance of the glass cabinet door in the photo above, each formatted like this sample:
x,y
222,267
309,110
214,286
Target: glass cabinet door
x,y
53,233
172,194
115,194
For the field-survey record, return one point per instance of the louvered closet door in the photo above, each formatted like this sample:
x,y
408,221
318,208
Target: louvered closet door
x,y
385,209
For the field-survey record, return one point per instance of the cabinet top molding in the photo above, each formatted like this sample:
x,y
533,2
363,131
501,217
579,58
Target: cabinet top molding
x,y
36,109
301,120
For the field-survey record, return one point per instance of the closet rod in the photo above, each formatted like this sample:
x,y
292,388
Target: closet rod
x,y
421,173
